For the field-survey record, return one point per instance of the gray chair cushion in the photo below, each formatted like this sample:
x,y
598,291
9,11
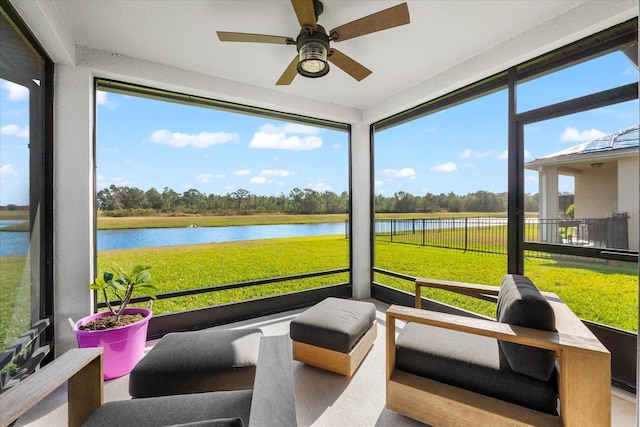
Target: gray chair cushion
x,y
171,410
221,422
520,303
334,323
198,361
470,362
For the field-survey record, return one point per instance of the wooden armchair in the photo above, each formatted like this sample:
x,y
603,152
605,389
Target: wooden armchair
x,y
581,372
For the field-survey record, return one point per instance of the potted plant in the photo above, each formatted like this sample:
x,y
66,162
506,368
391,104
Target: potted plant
x,y
121,330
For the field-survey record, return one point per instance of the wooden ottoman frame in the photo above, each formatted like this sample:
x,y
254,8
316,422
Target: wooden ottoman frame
x,y
335,361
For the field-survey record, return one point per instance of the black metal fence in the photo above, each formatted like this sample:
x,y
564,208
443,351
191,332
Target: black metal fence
x,y
490,234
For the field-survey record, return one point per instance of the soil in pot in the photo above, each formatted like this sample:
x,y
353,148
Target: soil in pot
x,y
110,321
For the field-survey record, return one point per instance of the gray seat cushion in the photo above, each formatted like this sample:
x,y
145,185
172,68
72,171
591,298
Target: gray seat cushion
x,y
521,303
334,323
198,361
220,422
221,407
471,362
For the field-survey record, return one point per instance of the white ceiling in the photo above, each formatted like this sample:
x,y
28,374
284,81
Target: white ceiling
x,y
443,36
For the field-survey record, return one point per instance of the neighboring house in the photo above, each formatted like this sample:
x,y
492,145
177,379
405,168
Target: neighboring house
x,y
605,172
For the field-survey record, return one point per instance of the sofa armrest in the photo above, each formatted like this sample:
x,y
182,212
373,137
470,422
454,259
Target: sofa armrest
x,y
485,292
273,401
81,368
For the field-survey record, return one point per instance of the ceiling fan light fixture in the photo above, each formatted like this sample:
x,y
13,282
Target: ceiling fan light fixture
x,y
313,59
313,50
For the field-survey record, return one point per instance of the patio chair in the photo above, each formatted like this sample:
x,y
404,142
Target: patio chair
x,y
447,370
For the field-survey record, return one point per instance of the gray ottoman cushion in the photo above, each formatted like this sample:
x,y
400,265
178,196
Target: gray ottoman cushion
x,y
470,362
198,361
334,323
222,407
520,303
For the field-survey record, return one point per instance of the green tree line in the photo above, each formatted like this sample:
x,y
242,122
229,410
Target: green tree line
x,y
123,200
480,201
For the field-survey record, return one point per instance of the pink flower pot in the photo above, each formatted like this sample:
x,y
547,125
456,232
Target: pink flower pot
x,y
123,346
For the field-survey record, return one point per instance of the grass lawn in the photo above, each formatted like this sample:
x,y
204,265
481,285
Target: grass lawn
x,y
599,292
196,266
15,303
602,293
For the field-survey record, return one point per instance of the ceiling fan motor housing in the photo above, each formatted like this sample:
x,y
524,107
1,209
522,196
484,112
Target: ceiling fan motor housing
x,y
313,49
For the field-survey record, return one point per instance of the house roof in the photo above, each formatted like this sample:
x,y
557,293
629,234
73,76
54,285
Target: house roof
x,y
623,143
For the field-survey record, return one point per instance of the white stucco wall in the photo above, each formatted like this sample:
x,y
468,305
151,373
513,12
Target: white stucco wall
x,y
596,192
548,208
361,211
628,196
73,200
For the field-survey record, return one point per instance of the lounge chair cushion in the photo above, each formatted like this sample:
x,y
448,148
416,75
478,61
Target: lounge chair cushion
x,y
521,303
471,362
334,323
222,407
221,422
197,361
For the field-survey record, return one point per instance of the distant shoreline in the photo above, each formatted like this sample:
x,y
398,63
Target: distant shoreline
x,y
165,221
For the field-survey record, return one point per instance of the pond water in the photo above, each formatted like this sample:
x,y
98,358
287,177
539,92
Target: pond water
x,y
17,243
139,238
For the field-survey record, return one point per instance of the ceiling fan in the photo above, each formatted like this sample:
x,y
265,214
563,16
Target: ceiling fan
x,y
312,42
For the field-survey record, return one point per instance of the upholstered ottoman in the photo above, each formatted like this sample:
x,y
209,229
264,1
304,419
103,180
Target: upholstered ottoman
x,y
198,361
335,334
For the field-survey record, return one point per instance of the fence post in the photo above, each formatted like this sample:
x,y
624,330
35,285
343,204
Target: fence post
x,y
466,233
393,228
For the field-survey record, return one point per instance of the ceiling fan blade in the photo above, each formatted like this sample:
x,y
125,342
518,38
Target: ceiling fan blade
x,y
289,74
348,65
306,13
226,36
383,20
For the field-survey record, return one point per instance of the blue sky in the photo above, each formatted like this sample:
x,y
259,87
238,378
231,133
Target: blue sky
x,y
145,143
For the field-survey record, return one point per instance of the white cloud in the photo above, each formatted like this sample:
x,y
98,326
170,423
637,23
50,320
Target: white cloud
x,y
102,99
259,180
20,132
574,135
469,153
242,172
7,170
16,92
337,146
378,183
466,154
291,128
204,177
275,172
221,176
531,178
445,167
200,140
319,186
402,173
274,137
